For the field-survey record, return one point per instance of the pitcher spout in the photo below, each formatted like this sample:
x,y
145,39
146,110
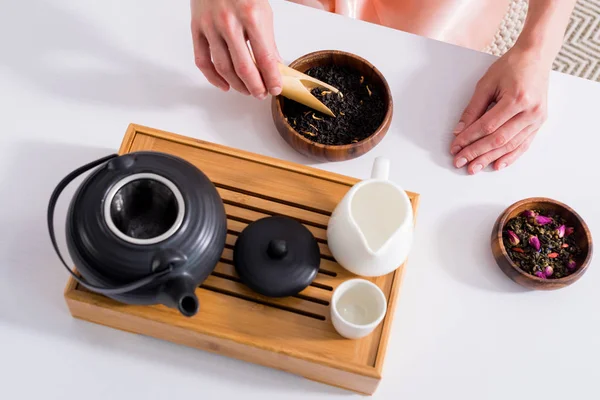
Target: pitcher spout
x,y
179,293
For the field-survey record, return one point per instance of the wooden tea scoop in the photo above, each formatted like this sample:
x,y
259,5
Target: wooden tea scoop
x,y
297,87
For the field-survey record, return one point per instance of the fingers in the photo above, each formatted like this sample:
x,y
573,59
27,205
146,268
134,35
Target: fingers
x,y
221,30
244,66
501,138
204,62
223,63
511,157
512,147
476,107
267,56
493,119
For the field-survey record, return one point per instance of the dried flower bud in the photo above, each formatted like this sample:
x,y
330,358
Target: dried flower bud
x,y
569,231
513,238
571,264
541,220
529,214
552,255
565,246
518,249
561,231
535,243
540,274
548,271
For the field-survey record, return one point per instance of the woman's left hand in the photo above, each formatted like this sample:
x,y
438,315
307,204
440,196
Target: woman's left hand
x,y
517,86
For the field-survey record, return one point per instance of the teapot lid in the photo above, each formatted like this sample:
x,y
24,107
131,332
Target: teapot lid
x,y
276,256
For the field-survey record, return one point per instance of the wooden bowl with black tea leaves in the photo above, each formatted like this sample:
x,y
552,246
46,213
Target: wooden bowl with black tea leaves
x,y
363,112
542,244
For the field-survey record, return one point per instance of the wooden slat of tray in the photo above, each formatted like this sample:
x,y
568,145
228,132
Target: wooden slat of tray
x,y
266,206
243,216
293,334
317,294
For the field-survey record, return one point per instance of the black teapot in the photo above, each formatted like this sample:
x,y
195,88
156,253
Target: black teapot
x,y
143,228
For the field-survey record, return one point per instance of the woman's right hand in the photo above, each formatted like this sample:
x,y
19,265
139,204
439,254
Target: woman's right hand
x,y
220,30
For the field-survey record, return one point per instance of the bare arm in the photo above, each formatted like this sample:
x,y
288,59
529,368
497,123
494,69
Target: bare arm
x,y
517,86
545,26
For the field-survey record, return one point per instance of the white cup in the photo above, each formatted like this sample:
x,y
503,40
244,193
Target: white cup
x,y
357,307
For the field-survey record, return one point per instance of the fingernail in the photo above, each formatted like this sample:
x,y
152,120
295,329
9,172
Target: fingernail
x,y
275,91
501,166
477,168
459,127
461,162
262,96
455,150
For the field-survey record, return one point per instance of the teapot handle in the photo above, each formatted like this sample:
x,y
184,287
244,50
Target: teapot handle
x,y
52,206
381,169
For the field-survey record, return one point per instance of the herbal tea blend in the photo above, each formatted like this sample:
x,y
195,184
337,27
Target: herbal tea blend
x,y
541,244
359,108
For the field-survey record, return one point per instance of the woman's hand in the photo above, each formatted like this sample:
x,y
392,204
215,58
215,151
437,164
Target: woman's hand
x,y
516,88
220,30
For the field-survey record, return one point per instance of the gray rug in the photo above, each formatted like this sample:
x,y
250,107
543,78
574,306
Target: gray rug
x,y
580,53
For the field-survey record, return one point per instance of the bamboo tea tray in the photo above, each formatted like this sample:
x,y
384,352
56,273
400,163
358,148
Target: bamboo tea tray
x,y
294,334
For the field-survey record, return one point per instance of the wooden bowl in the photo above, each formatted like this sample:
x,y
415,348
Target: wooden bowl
x,y
323,152
582,236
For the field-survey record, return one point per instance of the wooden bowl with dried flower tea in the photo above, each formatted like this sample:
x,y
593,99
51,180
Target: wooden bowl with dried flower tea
x,y
363,109
542,244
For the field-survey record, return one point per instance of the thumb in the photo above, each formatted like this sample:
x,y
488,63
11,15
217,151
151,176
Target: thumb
x,y
478,105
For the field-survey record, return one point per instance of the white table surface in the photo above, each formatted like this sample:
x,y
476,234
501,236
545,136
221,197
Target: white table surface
x,y
74,74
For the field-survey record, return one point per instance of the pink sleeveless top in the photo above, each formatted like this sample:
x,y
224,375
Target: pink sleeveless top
x,y
470,23
366,10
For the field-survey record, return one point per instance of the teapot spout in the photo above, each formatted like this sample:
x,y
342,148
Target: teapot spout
x,y
179,293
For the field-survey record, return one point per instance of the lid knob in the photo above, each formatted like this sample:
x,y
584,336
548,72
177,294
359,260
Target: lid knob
x,y
277,248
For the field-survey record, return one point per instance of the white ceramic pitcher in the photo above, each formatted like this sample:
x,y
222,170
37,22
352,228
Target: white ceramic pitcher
x,y
370,232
